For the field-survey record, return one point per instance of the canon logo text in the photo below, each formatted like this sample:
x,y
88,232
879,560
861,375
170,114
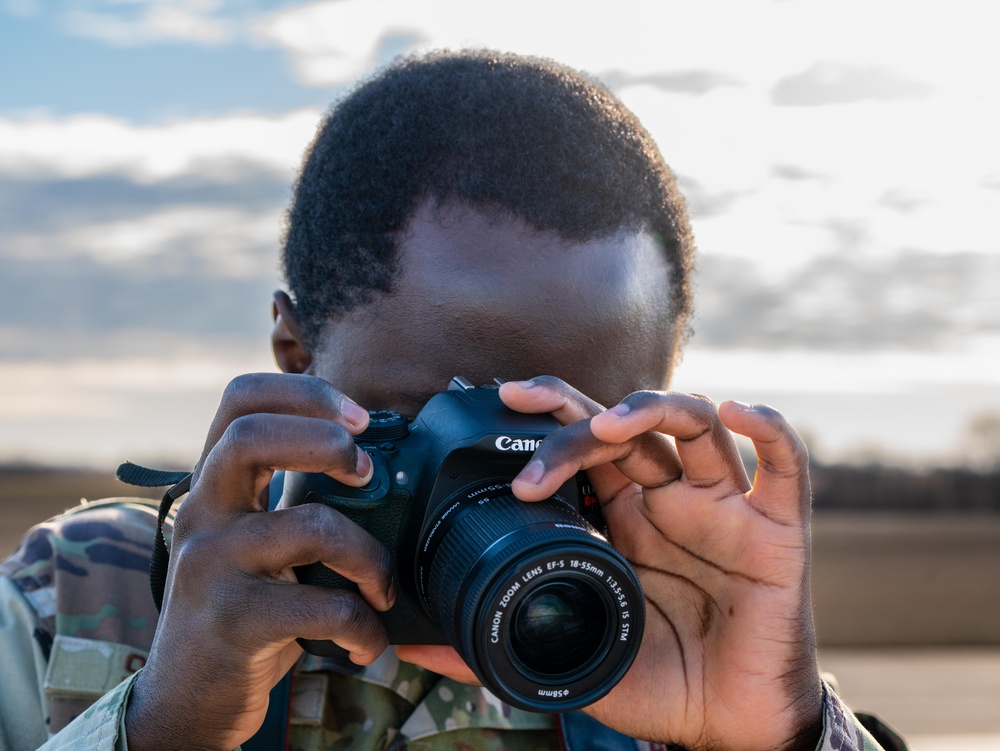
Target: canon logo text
x,y
506,443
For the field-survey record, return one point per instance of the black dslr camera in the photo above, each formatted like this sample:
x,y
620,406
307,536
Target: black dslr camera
x,y
538,603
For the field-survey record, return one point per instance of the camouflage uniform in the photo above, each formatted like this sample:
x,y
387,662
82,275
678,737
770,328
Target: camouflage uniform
x,y
77,620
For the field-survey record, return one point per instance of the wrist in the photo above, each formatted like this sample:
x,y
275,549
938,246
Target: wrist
x,y
809,720
150,726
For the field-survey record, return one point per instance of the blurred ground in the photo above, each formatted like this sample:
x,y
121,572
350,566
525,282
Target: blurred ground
x,y
907,607
937,698
29,496
906,579
908,618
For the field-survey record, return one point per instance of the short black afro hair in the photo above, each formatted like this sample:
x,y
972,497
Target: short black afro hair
x,y
498,131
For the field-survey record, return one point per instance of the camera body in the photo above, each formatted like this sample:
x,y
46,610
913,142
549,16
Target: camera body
x,y
533,597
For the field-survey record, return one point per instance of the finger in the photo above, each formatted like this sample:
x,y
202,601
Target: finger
x,y
647,459
781,486
268,543
440,659
239,467
289,611
706,448
549,394
284,393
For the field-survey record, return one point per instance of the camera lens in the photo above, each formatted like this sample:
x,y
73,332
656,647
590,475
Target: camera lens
x,y
546,612
560,628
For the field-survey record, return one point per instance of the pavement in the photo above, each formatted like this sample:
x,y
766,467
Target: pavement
x,y
940,699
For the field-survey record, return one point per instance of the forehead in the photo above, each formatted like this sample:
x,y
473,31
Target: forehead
x,y
486,295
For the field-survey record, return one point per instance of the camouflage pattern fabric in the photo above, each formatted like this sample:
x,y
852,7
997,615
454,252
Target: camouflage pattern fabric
x,y
393,705
86,575
84,579
841,730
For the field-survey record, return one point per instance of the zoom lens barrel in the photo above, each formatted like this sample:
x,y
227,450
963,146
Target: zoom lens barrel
x,y
546,612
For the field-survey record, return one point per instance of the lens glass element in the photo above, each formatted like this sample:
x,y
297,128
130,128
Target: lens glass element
x,y
546,612
558,628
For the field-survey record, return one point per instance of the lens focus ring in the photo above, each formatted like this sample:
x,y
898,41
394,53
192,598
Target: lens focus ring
x,y
539,604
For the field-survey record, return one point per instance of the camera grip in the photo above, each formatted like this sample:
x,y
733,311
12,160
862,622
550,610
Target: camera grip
x,y
384,521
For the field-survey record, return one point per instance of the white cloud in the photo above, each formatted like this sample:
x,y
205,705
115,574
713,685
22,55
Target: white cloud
x,y
730,138
95,144
155,21
334,42
727,138
223,241
839,83
733,143
758,41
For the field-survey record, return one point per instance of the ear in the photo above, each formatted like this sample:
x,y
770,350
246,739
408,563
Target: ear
x,y
286,338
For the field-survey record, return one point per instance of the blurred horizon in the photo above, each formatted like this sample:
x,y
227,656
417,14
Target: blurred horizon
x,y
839,161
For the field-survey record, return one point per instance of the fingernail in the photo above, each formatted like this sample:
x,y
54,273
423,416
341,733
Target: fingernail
x,y
532,473
354,414
619,410
390,594
742,405
365,468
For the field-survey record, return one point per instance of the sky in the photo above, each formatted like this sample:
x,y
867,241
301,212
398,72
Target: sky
x,y
839,159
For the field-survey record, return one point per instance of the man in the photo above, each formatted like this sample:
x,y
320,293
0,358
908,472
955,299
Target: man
x,y
468,214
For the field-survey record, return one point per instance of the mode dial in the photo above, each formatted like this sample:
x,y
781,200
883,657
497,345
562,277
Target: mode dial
x,y
384,425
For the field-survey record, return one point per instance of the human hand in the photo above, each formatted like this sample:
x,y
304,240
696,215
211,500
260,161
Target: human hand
x,y
233,608
728,654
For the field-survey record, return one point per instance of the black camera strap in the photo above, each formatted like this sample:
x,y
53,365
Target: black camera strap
x,y
273,734
180,483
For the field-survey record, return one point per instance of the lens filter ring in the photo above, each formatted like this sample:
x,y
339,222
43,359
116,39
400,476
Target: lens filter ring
x,y
546,612
560,630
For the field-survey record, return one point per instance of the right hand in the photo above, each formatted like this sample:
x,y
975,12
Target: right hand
x,y
232,606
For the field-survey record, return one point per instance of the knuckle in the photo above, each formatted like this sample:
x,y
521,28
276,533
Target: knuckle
x,y
381,564
239,388
705,411
704,402
321,527
194,553
235,604
184,525
242,431
330,534
384,560
348,611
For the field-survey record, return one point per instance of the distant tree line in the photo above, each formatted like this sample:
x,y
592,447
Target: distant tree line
x,y
844,487
878,487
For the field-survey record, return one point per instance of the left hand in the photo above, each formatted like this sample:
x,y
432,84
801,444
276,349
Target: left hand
x,y
728,658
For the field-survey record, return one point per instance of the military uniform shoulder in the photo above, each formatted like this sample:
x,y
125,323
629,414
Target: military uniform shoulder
x,y
92,525
88,565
